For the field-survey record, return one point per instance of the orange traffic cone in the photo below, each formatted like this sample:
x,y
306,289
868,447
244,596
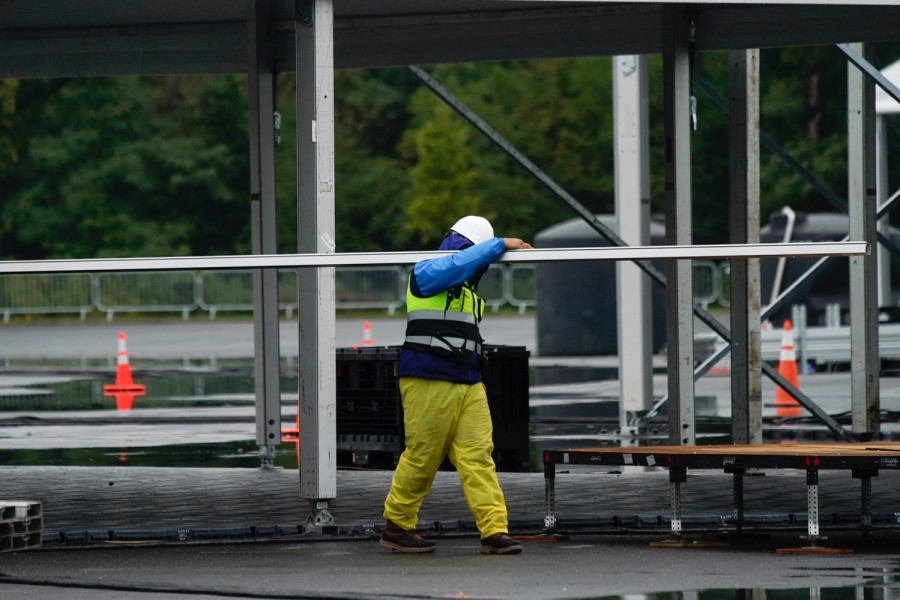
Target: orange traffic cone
x,y
292,434
124,389
367,334
785,404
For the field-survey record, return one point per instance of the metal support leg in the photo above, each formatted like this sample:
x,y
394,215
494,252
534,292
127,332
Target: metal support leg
x,y
738,480
319,517
550,496
866,503
812,506
865,498
677,475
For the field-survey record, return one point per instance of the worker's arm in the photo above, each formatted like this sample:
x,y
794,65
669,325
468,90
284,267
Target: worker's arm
x,y
435,275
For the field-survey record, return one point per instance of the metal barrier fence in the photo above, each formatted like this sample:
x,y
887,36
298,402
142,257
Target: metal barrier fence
x,y
214,292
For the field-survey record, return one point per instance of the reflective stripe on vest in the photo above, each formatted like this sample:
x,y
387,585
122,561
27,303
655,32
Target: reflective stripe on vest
x,y
445,324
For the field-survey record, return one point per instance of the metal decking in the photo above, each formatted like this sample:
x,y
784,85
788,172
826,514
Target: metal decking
x,y
108,505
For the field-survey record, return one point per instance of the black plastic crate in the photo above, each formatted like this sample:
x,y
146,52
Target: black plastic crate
x,y
370,414
368,395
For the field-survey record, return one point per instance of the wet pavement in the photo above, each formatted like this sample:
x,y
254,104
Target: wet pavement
x,y
186,533
578,567
160,532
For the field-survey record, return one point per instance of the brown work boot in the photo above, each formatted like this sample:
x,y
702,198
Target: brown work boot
x,y
397,539
500,543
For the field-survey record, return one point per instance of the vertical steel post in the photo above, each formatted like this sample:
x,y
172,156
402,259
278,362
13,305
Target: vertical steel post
x,y
863,208
738,493
812,506
746,370
885,291
261,100
549,496
677,32
315,234
632,188
865,497
677,476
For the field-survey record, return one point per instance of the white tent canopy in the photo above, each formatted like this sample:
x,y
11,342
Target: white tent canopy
x,y
884,104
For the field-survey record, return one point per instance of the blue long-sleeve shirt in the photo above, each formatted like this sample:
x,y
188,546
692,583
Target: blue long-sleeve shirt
x,y
433,276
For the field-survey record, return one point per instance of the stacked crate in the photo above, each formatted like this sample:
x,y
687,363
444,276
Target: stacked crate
x,y
370,415
20,525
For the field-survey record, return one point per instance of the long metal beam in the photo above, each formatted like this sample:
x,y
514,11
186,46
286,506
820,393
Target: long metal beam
x,y
77,38
362,259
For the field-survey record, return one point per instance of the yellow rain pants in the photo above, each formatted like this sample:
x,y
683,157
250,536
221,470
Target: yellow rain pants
x,y
453,420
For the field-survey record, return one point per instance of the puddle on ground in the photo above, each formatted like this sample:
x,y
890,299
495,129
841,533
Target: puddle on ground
x,y
205,416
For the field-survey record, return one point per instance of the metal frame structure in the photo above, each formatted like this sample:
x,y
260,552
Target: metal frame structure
x,y
87,38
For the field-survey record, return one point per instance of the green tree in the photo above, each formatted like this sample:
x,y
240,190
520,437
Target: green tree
x,y
128,167
372,182
556,112
442,178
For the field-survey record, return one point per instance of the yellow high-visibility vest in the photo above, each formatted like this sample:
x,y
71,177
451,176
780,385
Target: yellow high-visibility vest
x,y
445,324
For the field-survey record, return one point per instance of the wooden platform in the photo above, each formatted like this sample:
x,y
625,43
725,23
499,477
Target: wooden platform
x,y
861,455
863,459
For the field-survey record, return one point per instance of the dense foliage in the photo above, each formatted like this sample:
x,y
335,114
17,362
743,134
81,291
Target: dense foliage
x,y
159,165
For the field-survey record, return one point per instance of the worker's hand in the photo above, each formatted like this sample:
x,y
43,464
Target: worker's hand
x,y
516,244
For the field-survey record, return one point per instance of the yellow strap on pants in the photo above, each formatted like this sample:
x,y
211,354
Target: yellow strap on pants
x,y
453,420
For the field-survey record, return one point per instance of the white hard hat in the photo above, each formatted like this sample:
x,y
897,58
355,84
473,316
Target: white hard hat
x,y
475,229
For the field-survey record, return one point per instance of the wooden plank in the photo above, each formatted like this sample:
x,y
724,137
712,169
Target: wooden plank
x,y
789,449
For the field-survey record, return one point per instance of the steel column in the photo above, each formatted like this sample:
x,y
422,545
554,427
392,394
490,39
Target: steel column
x,y
885,291
862,208
865,497
315,229
746,357
677,33
261,100
632,189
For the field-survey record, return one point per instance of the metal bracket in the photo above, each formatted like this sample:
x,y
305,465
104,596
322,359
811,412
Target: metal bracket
x,y
266,456
319,518
812,507
303,11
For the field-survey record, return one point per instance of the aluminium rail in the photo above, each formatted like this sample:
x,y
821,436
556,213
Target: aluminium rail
x,y
354,259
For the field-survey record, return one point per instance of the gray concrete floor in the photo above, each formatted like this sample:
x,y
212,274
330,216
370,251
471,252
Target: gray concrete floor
x,y
578,567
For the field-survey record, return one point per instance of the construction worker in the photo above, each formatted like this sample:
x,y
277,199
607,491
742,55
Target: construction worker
x,y
445,407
